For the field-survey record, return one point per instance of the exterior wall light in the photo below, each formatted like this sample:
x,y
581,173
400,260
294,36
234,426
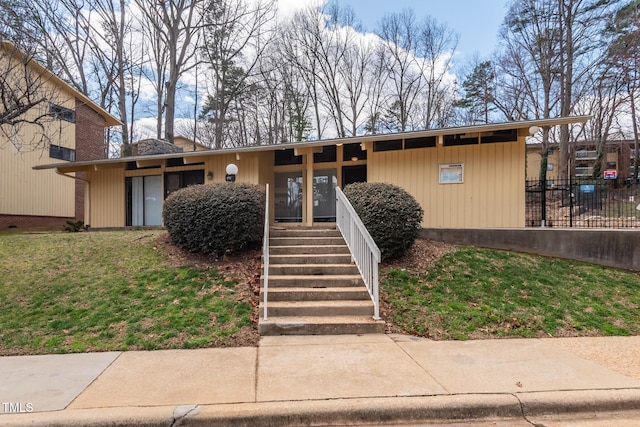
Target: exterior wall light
x,y
232,171
534,129
209,175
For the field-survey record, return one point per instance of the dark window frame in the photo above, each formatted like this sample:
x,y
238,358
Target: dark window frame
x,y
329,154
62,153
62,113
286,157
388,145
458,139
423,142
504,135
349,151
185,179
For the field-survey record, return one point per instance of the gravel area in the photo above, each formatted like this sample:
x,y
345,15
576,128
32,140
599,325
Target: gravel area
x,y
620,354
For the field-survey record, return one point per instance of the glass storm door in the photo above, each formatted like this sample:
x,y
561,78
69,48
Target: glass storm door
x,y
288,197
144,200
324,195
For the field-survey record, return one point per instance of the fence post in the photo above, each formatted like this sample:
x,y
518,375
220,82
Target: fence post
x,y
570,202
543,201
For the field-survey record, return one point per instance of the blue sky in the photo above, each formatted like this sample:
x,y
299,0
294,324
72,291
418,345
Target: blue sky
x,y
476,21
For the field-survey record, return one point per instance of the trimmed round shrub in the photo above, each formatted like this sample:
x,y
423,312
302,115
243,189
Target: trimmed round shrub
x,y
392,216
215,218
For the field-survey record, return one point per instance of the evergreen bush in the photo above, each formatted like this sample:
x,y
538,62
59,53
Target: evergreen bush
x,y
392,216
215,218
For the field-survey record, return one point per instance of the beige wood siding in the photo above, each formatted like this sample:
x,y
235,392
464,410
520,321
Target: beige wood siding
x,y
248,167
108,185
107,198
27,192
492,194
24,191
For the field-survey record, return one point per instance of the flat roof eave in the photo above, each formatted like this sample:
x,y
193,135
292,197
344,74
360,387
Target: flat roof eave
x,y
79,166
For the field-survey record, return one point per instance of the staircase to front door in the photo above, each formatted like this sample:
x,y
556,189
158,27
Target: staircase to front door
x,y
314,288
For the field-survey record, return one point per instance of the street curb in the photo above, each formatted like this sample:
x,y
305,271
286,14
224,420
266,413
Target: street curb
x,y
344,411
579,401
354,411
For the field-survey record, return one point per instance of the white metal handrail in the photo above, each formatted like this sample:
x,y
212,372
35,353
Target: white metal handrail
x,y
265,253
364,251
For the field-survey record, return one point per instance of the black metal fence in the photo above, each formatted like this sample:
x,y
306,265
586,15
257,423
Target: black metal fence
x,y
583,203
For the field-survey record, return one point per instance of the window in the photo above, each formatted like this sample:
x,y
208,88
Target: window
x,y
508,135
132,166
426,142
328,154
394,144
286,157
459,139
176,180
349,151
62,113
62,153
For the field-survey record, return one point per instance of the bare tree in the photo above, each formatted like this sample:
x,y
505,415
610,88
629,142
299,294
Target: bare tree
x,y
436,47
296,45
322,43
175,24
236,35
355,71
400,34
530,59
623,54
376,96
25,94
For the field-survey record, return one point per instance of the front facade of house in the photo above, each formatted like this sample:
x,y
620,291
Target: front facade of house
x,y
73,130
471,177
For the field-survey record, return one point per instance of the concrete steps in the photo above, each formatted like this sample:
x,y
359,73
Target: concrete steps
x,y
298,258
314,289
321,325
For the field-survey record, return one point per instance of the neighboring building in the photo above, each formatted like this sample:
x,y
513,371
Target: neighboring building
x,y
74,129
620,156
469,177
187,144
153,146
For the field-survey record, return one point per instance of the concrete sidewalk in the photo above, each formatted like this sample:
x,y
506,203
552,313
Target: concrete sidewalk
x,y
301,380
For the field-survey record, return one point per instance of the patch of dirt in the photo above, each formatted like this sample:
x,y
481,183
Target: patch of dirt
x,y
244,267
420,256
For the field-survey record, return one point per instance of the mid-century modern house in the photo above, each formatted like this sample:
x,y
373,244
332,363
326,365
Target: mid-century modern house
x,y
470,177
73,129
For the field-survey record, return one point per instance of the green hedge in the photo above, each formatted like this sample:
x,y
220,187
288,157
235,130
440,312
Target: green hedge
x,y
216,218
392,216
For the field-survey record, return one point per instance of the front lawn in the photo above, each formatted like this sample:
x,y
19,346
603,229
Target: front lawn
x,y
130,290
120,290
472,293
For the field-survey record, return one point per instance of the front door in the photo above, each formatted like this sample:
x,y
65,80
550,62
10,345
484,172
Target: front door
x,y
324,195
288,197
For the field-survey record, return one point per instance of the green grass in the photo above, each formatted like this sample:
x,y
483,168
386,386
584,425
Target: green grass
x,y
478,293
102,291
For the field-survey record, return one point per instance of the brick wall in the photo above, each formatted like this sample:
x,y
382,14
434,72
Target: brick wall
x,y
25,221
90,145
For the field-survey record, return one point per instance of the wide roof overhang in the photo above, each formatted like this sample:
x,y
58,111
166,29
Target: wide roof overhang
x,y
198,156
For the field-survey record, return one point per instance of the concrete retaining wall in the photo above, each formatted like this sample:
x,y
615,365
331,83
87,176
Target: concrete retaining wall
x,y
614,248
